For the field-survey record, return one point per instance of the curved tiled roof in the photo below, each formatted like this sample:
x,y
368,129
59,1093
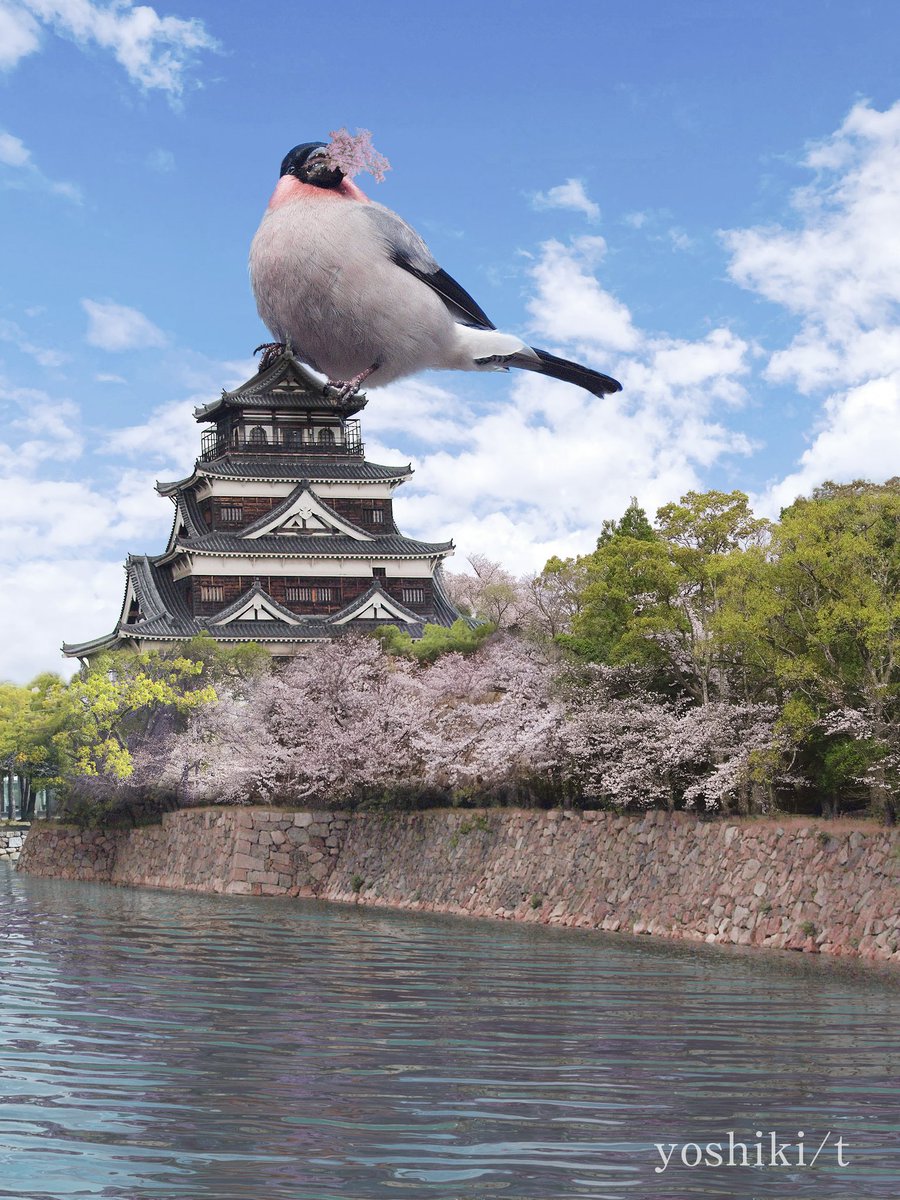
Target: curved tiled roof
x,y
286,384
166,617
294,467
293,545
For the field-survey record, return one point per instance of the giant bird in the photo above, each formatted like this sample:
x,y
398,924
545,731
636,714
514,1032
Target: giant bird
x,y
356,293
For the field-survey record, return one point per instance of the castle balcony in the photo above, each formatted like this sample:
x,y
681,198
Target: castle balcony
x,y
333,441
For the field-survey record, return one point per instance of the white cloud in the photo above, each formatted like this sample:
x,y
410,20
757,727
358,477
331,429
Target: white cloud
x,y
569,304
156,52
13,151
55,436
858,438
571,195
24,172
837,268
117,327
48,601
432,413
169,435
541,472
61,539
47,515
69,191
53,420
45,355
537,473
65,533
19,35
679,239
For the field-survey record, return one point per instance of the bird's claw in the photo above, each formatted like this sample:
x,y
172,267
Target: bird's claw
x,y
271,352
347,388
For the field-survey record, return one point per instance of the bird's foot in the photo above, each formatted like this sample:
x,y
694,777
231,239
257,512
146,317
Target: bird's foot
x,y
346,388
271,351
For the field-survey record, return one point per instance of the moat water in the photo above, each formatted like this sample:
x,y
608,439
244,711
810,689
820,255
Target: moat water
x,y
157,1044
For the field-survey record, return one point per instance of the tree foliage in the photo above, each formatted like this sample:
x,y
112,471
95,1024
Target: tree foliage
x,y
803,614
459,638
711,660
119,698
819,613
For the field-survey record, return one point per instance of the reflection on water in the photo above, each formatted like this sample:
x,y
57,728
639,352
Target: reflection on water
x,y
155,1044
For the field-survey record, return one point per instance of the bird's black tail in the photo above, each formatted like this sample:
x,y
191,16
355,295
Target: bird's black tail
x,y
570,372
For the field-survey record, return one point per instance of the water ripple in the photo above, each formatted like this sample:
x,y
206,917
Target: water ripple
x,y
159,1045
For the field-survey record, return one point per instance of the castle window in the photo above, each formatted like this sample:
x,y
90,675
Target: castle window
x,y
413,595
379,573
258,436
326,437
231,514
212,592
303,594
293,438
375,516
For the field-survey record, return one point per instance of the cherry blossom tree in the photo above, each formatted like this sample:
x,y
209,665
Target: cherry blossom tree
x,y
637,750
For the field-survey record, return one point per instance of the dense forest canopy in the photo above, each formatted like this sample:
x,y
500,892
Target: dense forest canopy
x,y
708,660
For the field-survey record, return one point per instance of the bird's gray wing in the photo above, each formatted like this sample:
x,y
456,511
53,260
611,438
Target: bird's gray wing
x,y
408,251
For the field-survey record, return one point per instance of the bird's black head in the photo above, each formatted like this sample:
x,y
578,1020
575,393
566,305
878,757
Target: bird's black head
x,y
309,164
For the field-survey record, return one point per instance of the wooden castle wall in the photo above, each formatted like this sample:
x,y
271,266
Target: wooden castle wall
x,y
285,589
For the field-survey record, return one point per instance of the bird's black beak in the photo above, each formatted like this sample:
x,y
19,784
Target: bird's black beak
x,y
319,171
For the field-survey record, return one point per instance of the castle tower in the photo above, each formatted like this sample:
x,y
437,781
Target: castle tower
x,y
283,533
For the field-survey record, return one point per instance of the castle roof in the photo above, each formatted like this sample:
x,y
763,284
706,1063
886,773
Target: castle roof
x,y
292,545
285,427
287,384
260,468
253,616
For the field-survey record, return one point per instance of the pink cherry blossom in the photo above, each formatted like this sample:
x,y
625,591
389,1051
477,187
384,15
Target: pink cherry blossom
x,y
353,153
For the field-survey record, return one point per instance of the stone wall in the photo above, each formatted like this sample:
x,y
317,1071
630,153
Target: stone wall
x,y
800,885
11,840
241,851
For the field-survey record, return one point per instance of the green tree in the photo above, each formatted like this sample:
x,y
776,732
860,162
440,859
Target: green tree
x,y
31,719
121,697
821,611
231,667
628,606
632,524
459,638
655,600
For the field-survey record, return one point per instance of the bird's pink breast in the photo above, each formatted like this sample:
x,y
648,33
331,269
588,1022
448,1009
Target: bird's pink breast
x,y
289,188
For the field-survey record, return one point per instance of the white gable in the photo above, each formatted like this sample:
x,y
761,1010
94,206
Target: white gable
x,y
307,516
377,608
257,608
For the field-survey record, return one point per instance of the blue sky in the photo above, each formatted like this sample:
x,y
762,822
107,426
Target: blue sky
x,y
701,199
